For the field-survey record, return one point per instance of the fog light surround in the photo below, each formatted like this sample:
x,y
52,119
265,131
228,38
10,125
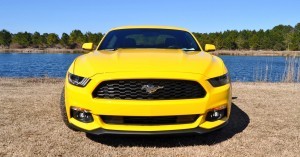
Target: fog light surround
x,y
216,114
82,115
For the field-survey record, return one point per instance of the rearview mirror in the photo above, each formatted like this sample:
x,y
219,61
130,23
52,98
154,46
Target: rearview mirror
x,y
210,47
88,46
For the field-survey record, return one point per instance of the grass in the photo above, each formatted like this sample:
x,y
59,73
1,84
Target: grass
x,y
292,69
218,52
264,122
256,53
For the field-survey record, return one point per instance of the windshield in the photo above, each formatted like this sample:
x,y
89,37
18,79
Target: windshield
x,y
149,38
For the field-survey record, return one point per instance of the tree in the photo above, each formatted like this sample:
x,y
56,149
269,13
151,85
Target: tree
x,y
266,41
36,40
288,40
52,39
76,38
279,46
229,39
5,38
44,37
217,40
93,37
64,41
254,42
281,37
243,39
23,39
295,41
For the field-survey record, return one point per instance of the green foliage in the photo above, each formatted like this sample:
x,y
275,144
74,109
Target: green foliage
x,y
76,38
36,40
5,38
44,39
295,39
281,37
254,42
64,41
242,40
23,39
52,39
93,37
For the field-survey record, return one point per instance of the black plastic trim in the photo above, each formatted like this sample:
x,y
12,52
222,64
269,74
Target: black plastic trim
x,y
197,130
132,89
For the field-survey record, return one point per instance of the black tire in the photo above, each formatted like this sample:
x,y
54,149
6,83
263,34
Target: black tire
x,y
64,112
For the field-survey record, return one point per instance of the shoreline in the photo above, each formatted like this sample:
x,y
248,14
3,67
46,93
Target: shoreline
x,y
37,50
218,52
256,53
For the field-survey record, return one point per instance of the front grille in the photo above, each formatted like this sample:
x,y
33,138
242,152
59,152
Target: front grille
x,y
155,120
136,89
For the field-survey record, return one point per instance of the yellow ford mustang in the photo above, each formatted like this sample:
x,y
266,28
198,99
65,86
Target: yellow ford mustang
x,y
146,80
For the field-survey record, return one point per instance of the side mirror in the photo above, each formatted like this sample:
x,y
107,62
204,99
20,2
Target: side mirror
x,y
210,47
88,46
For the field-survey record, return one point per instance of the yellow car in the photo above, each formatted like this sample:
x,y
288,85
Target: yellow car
x,y
147,80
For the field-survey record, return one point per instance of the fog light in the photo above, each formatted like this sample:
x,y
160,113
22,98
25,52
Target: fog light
x,y
216,114
81,114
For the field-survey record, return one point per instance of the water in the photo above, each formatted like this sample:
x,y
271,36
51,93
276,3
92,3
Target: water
x,y
242,68
255,68
35,65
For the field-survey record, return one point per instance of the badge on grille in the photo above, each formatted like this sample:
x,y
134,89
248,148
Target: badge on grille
x,y
151,88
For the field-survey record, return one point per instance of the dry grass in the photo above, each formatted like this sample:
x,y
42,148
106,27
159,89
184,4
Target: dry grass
x,y
218,52
291,70
256,53
44,50
265,122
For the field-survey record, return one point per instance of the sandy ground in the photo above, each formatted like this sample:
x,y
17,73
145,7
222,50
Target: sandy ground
x,y
264,122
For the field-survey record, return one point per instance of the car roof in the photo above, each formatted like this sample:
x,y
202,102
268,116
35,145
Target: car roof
x,y
150,27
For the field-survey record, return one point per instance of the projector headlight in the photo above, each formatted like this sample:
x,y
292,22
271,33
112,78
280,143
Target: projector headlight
x,y
220,80
78,80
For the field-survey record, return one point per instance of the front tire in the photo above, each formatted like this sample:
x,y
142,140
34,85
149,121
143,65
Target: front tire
x,y
64,112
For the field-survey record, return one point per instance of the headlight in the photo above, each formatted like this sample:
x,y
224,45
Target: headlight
x,y
78,80
220,80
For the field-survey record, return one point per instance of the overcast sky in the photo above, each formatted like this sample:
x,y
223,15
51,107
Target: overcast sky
x,y
60,16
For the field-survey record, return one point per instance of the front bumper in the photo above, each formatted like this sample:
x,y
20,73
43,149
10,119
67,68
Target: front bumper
x,y
197,130
82,97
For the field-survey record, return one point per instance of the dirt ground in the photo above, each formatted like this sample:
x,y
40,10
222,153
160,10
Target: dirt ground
x,y
264,122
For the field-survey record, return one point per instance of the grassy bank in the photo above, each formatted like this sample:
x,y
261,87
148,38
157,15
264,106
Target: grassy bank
x,y
264,122
218,52
256,53
46,50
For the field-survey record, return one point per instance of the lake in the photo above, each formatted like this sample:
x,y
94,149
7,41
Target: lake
x,y
242,68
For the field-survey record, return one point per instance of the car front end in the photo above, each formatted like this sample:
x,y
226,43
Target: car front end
x,y
147,91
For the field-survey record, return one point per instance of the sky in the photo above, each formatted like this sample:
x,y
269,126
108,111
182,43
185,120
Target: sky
x,y
58,16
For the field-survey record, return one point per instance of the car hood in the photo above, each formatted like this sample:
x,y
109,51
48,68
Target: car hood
x,y
152,60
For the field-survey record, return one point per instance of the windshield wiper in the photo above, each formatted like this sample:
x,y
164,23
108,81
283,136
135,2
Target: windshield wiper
x,y
114,49
188,49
